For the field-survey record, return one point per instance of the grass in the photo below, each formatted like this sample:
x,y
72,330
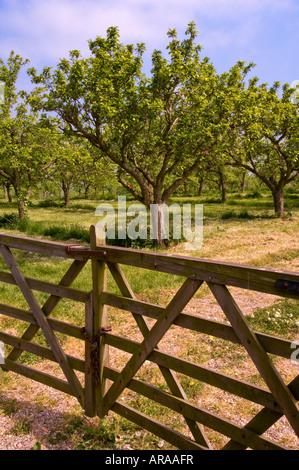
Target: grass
x,y
244,214
22,427
280,319
243,230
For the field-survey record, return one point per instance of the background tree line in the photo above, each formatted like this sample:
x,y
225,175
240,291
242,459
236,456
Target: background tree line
x,y
100,118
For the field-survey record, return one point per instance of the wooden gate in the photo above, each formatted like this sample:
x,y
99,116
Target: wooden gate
x,y
103,385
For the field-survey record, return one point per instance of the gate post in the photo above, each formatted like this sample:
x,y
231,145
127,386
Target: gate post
x,y
96,352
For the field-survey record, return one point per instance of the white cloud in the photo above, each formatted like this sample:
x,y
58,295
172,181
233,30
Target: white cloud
x,y
46,30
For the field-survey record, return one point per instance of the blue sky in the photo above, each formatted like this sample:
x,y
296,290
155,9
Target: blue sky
x,y
265,32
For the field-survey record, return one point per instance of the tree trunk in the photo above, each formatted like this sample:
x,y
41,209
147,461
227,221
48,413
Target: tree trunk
x,y
66,193
158,223
278,201
222,186
23,199
67,196
86,190
22,208
7,193
200,188
243,183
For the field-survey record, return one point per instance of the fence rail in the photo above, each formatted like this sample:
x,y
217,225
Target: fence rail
x,y
103,386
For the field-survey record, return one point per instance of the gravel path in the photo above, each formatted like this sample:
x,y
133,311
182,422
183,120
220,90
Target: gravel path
x,y
35,416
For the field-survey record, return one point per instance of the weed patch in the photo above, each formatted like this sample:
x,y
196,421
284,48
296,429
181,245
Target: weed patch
x,y
280,319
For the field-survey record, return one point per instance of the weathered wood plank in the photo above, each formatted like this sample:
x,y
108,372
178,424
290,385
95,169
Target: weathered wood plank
x,y
43,323
35,245
274,345
38,350
247,277
174,308
209,419
95,319
204,374
56,325
197,431
48,307
264,419
264,365
283,399
169,435
90,397
48,287
40,377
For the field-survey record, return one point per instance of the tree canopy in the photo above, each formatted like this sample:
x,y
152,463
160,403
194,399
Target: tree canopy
x,y
183,120
158,129
263,136
27,141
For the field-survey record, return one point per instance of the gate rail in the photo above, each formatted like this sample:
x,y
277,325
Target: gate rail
x,y
103,385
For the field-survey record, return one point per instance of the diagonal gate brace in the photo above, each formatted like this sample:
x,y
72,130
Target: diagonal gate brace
x,y
281,393
48,307
172,311
43,323
175,387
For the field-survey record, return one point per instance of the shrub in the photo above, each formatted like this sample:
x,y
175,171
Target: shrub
x,y
245,215
212,200
228,215
64,232
49,203
142,243
255,194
